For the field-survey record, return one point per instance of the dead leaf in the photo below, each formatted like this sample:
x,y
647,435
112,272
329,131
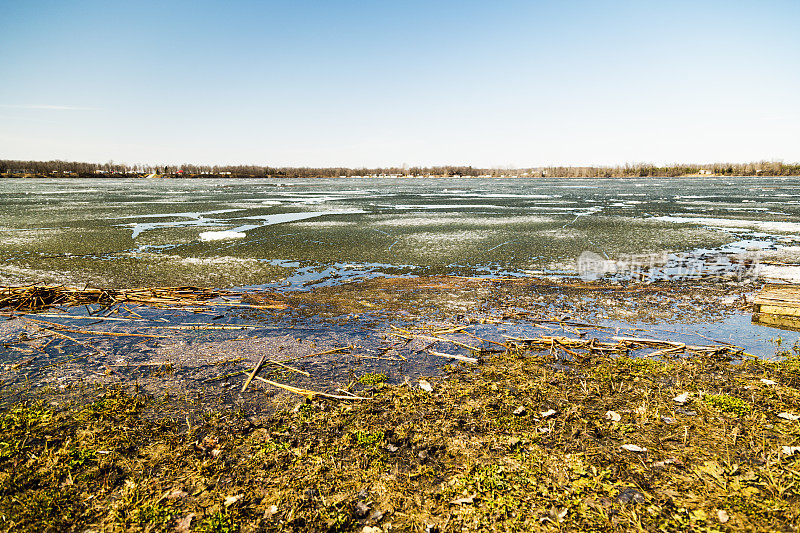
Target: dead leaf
x,y
548,413
768,381
788,416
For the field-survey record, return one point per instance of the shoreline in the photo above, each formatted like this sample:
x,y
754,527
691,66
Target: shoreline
x,y
569,436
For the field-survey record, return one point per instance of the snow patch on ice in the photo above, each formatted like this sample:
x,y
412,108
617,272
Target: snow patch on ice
x,y
221,235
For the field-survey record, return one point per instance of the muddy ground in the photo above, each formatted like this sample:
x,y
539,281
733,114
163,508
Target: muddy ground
x,y
152,432
201,354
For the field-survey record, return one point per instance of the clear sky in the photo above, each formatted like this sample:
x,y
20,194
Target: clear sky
x,y
329,83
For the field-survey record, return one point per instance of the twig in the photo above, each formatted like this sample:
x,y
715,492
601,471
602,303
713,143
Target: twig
x,y
454,356
485,340
326,352
91,332
273,362
429,337
254,372
224,376
309,393
76,341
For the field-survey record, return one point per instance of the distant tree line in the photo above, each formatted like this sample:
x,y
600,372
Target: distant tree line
x,y
11,168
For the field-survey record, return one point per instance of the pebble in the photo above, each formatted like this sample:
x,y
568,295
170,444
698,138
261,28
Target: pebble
x,y
630,495
681,398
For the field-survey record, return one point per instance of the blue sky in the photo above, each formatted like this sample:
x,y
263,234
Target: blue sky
x,y
313,83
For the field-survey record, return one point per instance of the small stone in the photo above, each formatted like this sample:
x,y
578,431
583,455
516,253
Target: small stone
x,y
613,416
667,419
663,464
789,416
391,448
177,494
633,448
768,381
463,501
548,413
722,516
425,385
520,411
681,398
371,529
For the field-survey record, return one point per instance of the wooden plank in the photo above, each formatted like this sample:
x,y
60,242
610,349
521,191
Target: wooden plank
x,y
775,321
777,300
782,310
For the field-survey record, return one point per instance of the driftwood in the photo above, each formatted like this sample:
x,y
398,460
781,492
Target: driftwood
x,y
40,297
623,344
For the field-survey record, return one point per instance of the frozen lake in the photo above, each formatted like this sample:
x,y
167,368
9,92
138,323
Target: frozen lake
x,y
295,232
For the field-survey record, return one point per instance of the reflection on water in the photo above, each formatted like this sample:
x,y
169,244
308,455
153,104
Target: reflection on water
x,y
256,232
